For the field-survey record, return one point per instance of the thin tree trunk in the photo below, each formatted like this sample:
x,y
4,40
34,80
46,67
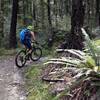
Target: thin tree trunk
x,y
34,11
50,31
42,14
88,12
1,18
12,37
56,13
26,6
49,14
98,12
34,14
24,12
66,7
67,11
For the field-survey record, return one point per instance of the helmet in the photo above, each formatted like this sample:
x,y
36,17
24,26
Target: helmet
x,y
30,27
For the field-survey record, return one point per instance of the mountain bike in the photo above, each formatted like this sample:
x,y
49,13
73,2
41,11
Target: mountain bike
x,y
23,56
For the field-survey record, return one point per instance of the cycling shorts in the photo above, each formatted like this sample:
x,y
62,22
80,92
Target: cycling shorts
x,y
27,43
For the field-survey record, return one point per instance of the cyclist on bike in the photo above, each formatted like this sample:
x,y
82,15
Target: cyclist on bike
x,y
25,37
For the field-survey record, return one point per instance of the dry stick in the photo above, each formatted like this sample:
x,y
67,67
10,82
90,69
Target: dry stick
x,y
50,70
79,90
78,95
93,91
75,93
84,87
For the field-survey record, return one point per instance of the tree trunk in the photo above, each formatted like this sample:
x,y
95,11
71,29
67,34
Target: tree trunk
x,y
50,31
77,20
26,6
42,15
34,14
56,13
88,12
24,13
49,15
1,18
12,38
97,12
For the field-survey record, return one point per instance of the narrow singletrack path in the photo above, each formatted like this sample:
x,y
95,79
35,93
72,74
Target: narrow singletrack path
x,y
11,80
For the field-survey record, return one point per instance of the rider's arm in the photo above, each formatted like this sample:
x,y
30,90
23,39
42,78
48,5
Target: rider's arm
x,y
33,36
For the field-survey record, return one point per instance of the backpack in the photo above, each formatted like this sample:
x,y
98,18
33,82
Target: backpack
x,y
23,33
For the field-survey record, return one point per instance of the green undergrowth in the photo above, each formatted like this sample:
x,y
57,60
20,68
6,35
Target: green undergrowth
x,y
47,51
5,52
37,89
97,42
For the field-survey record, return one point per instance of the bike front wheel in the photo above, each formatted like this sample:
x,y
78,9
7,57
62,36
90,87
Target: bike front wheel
x,y
20,59
36,54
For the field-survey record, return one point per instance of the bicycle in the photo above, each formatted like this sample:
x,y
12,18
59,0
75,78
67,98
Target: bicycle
x,y
22,56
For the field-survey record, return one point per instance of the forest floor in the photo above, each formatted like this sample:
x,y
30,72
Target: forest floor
x,y
11,80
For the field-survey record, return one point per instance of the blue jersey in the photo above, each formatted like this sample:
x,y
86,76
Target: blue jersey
x,y
25,33
25,38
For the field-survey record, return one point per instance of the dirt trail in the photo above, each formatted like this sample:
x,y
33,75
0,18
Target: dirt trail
x,y
11,80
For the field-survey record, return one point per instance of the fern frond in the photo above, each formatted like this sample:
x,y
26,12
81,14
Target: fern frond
x,y
89,45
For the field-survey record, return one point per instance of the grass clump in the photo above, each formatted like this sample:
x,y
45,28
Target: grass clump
x,y
37,89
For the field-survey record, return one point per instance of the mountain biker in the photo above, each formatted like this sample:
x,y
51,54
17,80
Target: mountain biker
x,y
26,35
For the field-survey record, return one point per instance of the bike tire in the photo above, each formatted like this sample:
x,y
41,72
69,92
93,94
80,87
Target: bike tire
x,y
36,54
17,60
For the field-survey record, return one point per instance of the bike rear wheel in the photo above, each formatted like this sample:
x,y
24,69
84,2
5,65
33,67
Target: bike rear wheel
x,y
36,54
20,59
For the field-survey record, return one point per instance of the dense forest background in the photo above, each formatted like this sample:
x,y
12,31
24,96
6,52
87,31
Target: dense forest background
x,y
71,73
48,17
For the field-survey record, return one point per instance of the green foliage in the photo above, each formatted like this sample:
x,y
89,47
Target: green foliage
x,y
5,52
1,51
47,52
91,47
88,44
97,42
34,71
89,62
38,90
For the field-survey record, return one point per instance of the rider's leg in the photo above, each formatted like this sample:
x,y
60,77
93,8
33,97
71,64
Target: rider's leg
x,y
29,47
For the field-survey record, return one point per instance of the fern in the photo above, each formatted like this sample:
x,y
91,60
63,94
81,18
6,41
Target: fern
x,y
90,46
